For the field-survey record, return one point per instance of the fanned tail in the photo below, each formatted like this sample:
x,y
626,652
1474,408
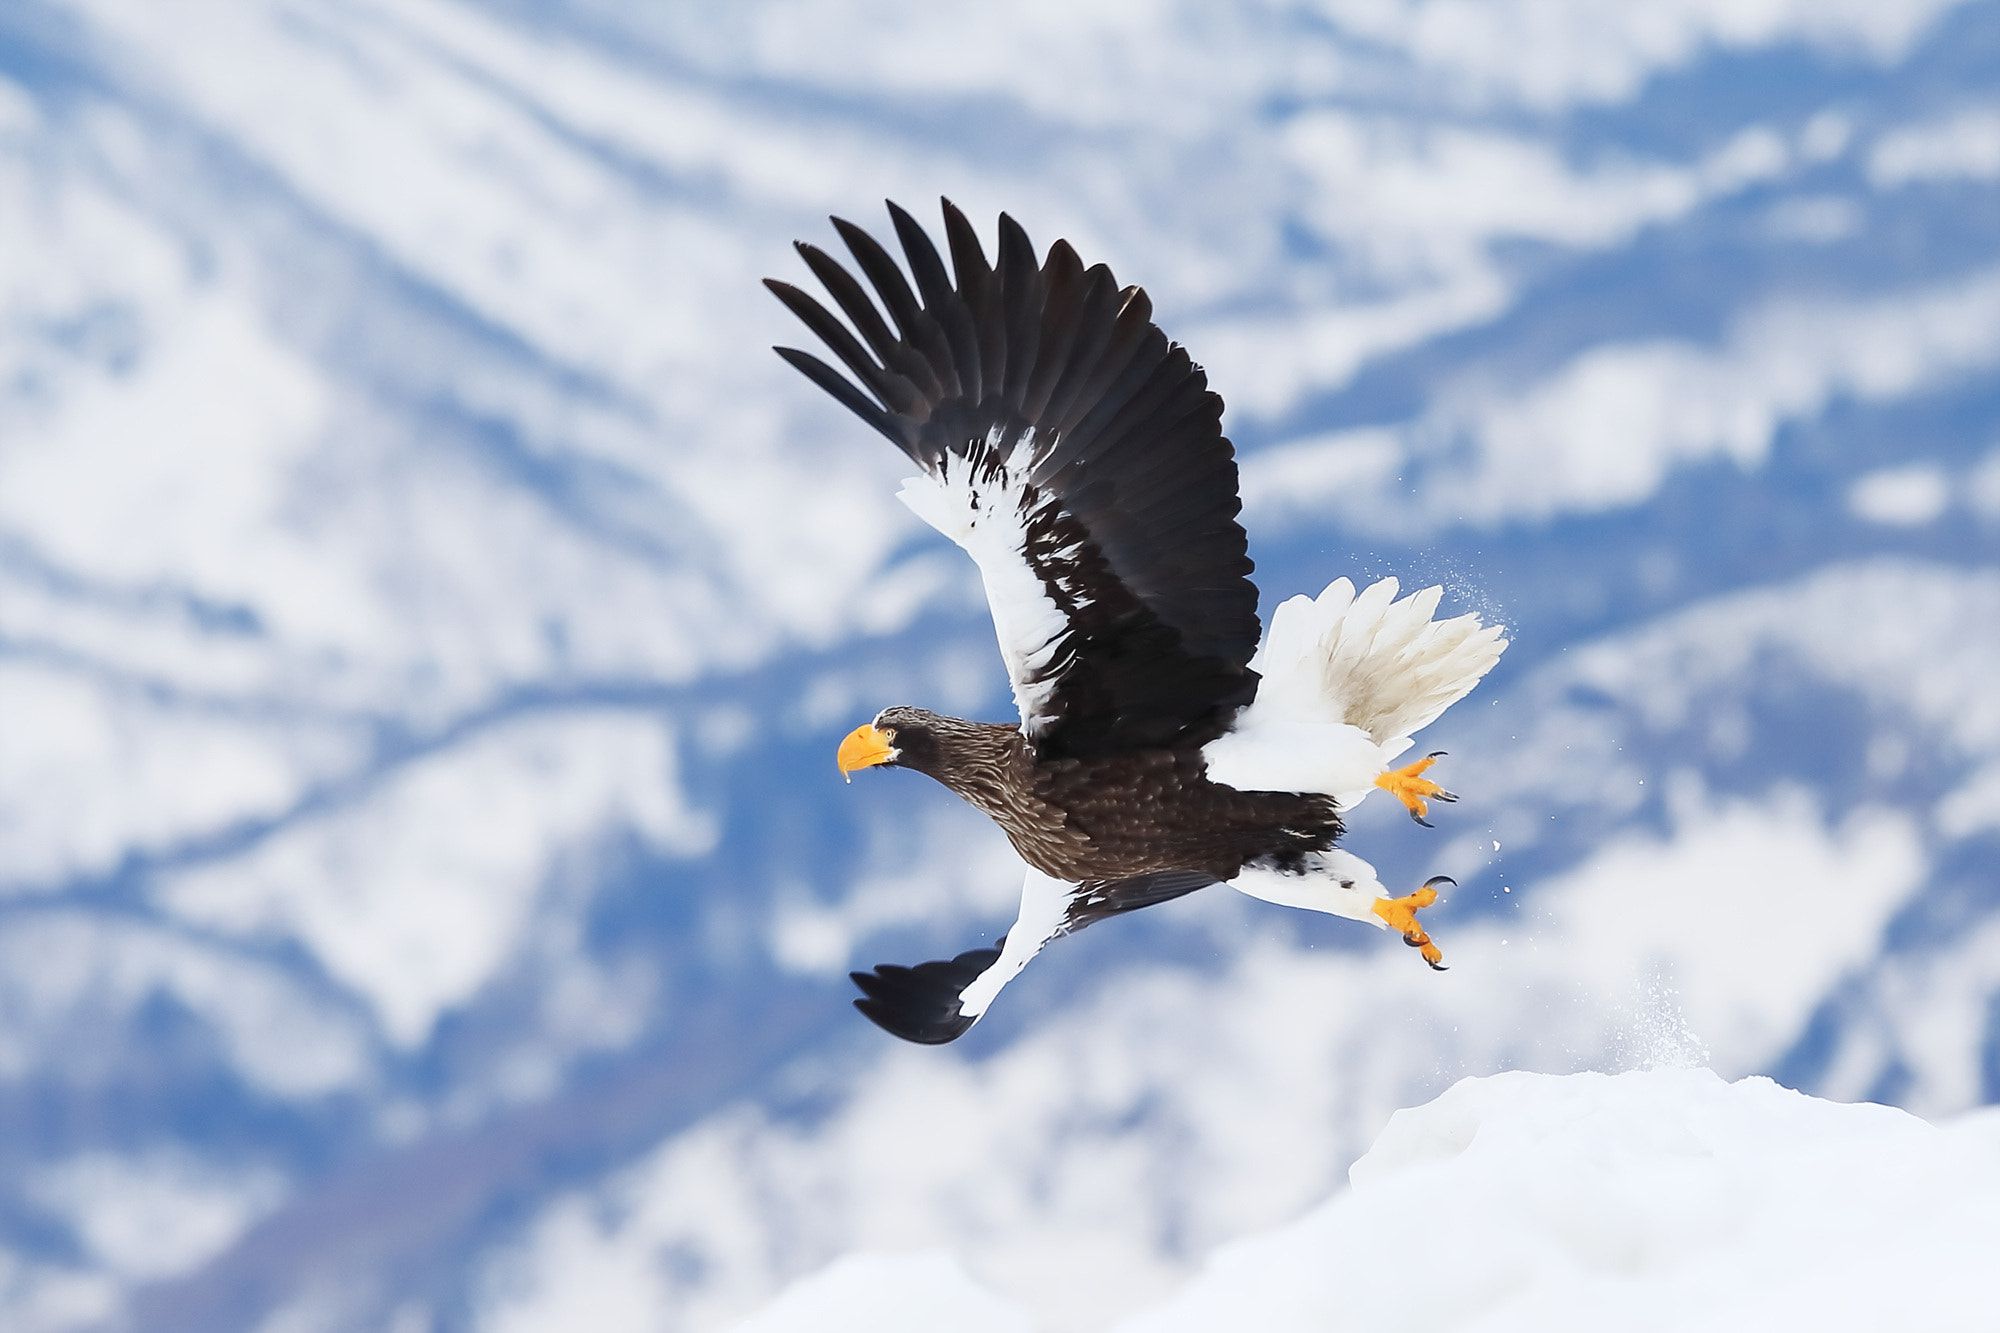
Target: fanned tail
x,y
1372,661
1348,678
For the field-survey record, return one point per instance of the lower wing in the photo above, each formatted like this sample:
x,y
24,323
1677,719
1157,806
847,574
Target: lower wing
x,y
936,1002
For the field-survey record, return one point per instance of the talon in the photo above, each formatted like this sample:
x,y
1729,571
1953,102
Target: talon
x,y
1429,953
1400,914
1409,785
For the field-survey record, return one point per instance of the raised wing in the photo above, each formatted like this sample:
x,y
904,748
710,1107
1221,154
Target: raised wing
x,y
1076,454
933,1003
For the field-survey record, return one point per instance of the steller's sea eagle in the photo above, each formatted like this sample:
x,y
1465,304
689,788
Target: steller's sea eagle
x,y
1078,456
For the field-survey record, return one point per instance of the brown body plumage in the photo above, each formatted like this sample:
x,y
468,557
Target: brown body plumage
x,y
1113,817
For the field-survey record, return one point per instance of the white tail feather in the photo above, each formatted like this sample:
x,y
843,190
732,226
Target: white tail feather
x,y
1371,661
1347,680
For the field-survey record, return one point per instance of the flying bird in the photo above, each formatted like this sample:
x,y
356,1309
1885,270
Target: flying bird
x,y
1078,456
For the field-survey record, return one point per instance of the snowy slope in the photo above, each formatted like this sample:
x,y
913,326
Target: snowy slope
x,y
427,612
1662,1201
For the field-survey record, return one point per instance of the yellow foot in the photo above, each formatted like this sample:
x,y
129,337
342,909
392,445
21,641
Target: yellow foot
x,y
1401,914
1409,785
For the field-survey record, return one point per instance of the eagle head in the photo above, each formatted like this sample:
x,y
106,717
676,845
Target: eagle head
x,y
898,737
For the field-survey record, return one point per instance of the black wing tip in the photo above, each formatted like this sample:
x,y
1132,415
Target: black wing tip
x,y
892,1021
815,256
1015,247
951,212
920,1004
798,357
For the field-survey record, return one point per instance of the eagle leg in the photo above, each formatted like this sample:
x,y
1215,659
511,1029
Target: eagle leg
x,y
1400,914
1409,785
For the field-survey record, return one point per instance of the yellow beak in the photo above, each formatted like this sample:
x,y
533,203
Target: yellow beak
x,y
864,747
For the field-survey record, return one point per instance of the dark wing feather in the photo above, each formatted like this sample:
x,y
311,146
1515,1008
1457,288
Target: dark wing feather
x,y
920,1003
1094,902
1043,397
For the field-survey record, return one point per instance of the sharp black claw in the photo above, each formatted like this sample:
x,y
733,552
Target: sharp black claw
x,y
1421,820
1437,754
1436,880
1437,967
1445,796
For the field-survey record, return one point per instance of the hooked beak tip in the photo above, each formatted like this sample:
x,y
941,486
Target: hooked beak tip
x,y
864,747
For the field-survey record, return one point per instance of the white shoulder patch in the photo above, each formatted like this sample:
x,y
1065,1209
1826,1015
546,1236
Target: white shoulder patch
x,y
988,517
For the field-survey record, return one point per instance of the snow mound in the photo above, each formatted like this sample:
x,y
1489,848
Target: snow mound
x,y
1655,1200
1664,1199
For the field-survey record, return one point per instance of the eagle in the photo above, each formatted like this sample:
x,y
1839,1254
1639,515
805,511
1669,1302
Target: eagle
x,y
1077,455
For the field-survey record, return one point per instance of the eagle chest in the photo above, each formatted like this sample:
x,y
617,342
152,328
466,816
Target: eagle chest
x,y
1110,819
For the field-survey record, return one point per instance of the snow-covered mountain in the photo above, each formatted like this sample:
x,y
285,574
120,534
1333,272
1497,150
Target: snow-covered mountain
x,y
427,612
1663,1200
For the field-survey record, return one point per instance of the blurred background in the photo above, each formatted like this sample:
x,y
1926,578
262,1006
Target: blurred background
x,y
428,611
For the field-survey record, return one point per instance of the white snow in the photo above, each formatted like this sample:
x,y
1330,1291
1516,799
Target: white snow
x,y
1606,429
875,1293
419,896
62,973
1900,497
1649,1202
154,1213
94,772
1965,145
1660,1200
1550,54
1983,486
